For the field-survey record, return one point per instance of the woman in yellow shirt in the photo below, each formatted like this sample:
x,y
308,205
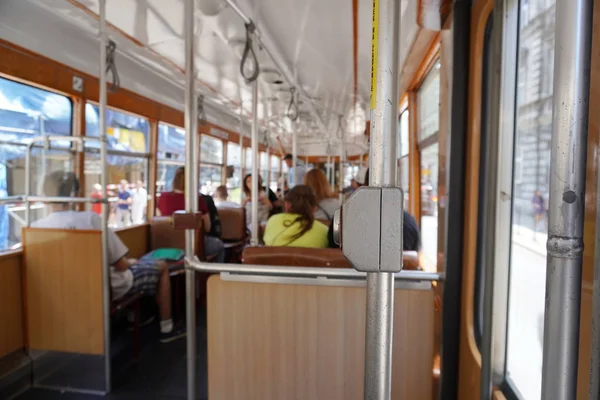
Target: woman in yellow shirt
x,y
296,227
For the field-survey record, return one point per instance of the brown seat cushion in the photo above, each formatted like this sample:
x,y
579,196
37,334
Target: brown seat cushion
x,y
233,224
303,257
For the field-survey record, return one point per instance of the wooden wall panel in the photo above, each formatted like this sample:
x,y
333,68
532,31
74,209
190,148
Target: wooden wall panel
x,y
136,239
270,341
11,304
63,285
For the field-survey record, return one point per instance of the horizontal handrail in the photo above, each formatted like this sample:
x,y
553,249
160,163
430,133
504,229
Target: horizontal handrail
x,y
198,265
48,199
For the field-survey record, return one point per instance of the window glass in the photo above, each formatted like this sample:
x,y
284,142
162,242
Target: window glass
x,y
403,166
264,163
211,150
234,177
210,178
125,174
171,142
429,206
429,103
126,132
248,153
531,176
27,112
275,173
403,135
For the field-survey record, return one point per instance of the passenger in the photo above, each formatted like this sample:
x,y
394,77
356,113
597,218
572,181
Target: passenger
x,y
97,194
276,202
127,275
264,204
220,198
327,201
139,203
123,205
297,227
215,220
169,202
296,172
539,208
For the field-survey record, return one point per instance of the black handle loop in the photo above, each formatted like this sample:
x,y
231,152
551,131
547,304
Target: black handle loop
x,y
111,66
292,111
201,112
249,50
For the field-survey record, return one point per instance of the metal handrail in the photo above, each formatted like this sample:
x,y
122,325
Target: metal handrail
x,y
314,272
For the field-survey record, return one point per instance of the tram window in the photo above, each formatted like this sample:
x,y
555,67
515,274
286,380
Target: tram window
x,y
264,164
211,164
126,132
429,104
248,156
27,112
402,154
275,173
127,164
529,229
429,205
234,160
171,155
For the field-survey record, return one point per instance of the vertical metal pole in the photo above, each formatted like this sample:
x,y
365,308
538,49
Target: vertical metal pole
x,y
255,161
242,160
572,63
105,205
382,172
292,181
329,170
191,190
342,160
28,186
268,167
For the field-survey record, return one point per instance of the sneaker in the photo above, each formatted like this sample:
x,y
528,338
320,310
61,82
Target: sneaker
x,y
176,333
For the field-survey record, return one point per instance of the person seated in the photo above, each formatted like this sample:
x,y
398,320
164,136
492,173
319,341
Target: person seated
x,y
264,204
127,275
327,201
220,198
169,202
296,227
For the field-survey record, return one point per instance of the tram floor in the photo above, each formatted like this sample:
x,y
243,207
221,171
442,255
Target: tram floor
x,y
159,373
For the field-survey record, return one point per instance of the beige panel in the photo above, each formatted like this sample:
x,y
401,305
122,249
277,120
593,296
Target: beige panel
x,y
63,284
136,239
268,341
11,304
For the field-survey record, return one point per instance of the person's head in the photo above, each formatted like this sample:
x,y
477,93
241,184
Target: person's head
x,y
288,159
221,193
60,184
123,185
317,181
302,201
538,193
139,184
179,180
97,187
247,186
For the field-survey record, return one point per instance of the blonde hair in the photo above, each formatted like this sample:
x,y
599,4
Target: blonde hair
x,y
317,181
179,180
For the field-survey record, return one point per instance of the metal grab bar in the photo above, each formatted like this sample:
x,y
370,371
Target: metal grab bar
x,y
314,272
50,199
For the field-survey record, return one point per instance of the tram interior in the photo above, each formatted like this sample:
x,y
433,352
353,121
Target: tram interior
x,y
277,89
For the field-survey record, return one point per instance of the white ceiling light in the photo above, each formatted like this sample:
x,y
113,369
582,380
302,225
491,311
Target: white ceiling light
x,y
356,120
210,8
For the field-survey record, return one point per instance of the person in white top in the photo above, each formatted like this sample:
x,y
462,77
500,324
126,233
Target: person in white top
x,y
296,173
139,203
127,275
220,198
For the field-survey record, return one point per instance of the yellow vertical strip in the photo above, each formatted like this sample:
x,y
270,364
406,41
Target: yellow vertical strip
x,y
374,39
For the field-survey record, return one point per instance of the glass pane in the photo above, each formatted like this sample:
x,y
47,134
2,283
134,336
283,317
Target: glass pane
x,y
403,168
248,153
233,154
429,206
12,182
210,178
403,135
429,103
171,142
126,132
275,163
165,175
531,177
211,150
234,172
125,174
26,112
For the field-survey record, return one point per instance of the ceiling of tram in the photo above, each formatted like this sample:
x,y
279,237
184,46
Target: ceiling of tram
x,y
313,37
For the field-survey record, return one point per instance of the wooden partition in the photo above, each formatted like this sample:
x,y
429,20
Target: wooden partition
x,y
63,290
287,341
11,304
136,239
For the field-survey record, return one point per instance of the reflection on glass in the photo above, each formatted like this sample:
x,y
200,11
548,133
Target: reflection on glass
x,y
126,132
403,135
210,178
125,175
234,173
171,142
429,205
403,180
530,197
275,173
429,104
211,150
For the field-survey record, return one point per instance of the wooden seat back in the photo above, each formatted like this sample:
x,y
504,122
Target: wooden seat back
x,y
164,235
233,224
